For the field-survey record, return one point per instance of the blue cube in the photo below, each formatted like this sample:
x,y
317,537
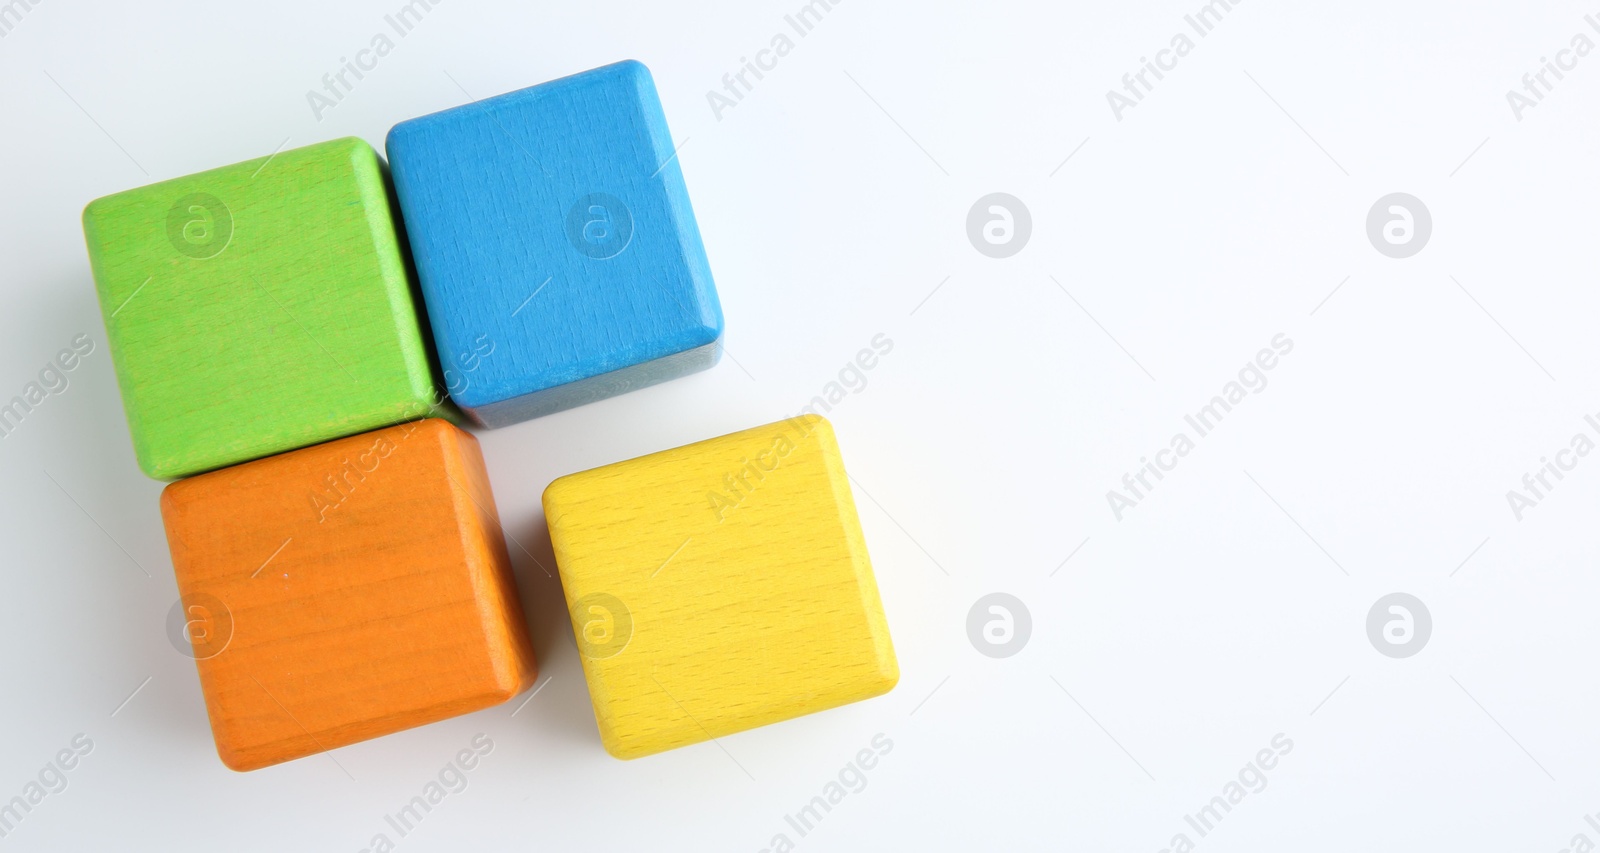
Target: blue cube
x,y
558,256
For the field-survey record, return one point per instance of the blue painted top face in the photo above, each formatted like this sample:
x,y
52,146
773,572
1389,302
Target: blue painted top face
x,y
552,235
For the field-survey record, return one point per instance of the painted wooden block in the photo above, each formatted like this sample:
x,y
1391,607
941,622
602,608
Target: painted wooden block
x,y
345,591
258,308
559,258
719,587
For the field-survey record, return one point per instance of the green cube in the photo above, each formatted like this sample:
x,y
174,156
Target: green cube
x,y
258,308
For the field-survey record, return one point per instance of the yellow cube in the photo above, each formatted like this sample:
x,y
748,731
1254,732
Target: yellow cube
x,y
719,586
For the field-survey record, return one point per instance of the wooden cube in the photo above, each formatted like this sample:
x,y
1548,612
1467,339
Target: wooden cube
x,y
258,308
558,254
719,587
350,590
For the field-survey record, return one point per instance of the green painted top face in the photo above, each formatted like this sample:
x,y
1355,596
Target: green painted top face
x,y
258,308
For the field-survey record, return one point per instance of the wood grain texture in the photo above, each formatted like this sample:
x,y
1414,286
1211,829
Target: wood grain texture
x,y
557,251
346,591
719,587
258,308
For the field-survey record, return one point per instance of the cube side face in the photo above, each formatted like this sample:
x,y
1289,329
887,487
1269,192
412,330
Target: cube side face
x,y
553,238
595,388
500,606
258,308
341,595
719,587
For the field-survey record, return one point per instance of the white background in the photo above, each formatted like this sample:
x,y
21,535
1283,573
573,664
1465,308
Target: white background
x,y
1170,648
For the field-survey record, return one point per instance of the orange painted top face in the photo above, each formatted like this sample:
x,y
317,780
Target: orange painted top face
x,y
346,591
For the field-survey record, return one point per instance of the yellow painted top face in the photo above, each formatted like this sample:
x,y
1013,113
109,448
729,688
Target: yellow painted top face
x,y
719,586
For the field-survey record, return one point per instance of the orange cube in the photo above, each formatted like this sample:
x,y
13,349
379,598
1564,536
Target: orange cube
x,y
346,591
